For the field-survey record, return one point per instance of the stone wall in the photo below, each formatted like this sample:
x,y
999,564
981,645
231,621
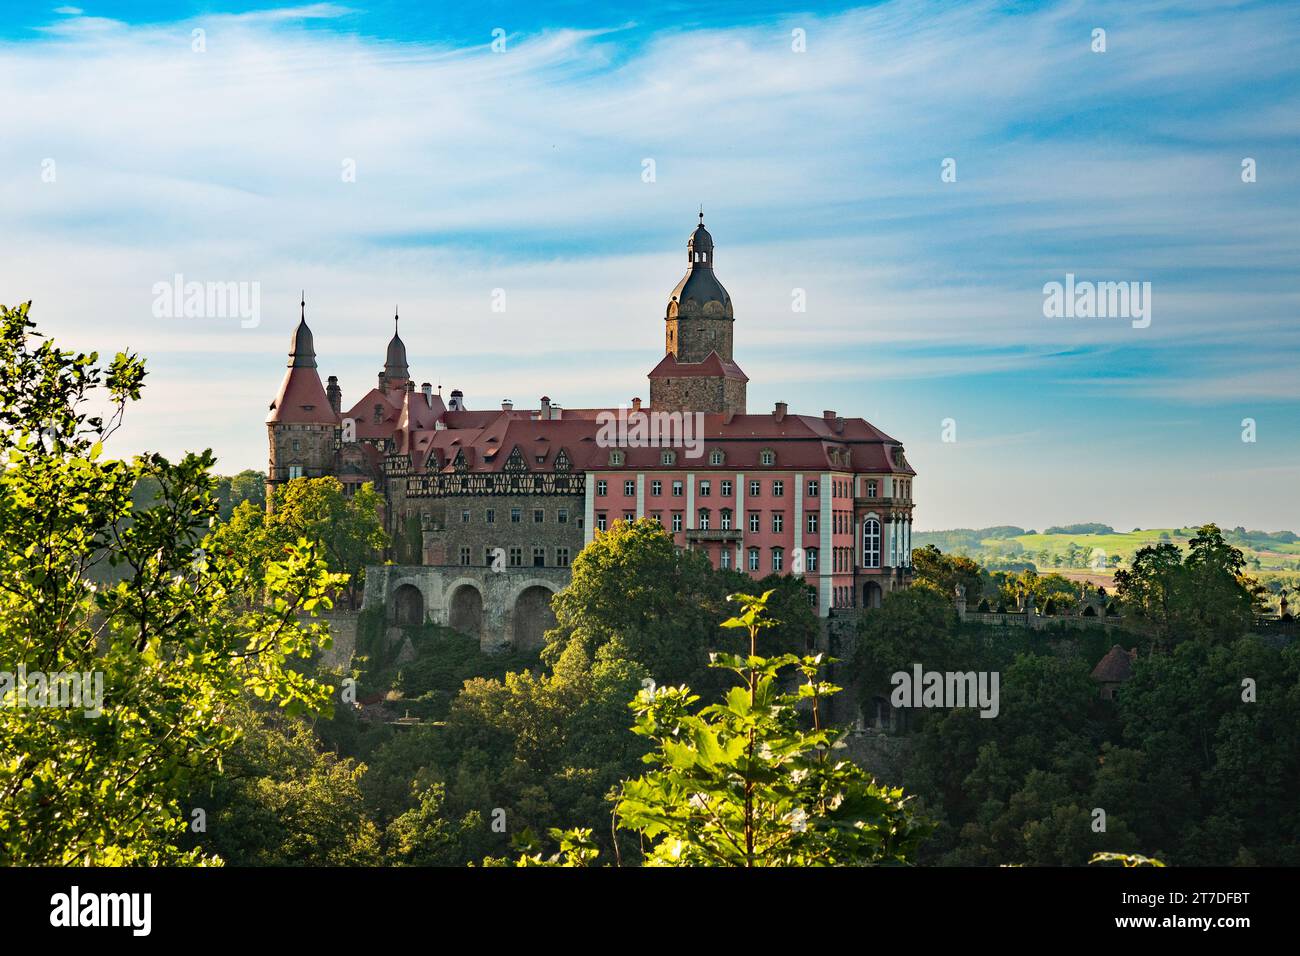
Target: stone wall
x,y
514,602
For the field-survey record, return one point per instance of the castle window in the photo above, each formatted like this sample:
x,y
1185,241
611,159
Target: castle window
x,y
778,489
871,488
767,457
725,519
629,488
677,489
600,521
754,520
705,489
464,517
602,487
813,488
561,557
295,471
778,559
704,519
615,459
516,557
871,543
491,516
656,488
778,522
726,489
629,516
677,521
715,457
562,516
539,557
810,559
516,515
464,556
812,522
724,559
755,489
538,516
297,445
668,458
753,559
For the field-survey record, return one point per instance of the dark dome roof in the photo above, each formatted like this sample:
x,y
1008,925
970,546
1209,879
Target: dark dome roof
x,y
395,361
700,240
700,286
302,347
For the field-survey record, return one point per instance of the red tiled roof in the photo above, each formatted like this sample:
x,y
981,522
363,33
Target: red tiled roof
x,y
302,400
798,441
713,366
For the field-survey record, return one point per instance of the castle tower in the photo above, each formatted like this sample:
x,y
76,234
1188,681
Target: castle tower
x,y
697,372
302,422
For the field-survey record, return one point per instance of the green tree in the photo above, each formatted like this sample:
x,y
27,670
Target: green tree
x,y
279,800
176,656
741,783
661,603
944,572
347,529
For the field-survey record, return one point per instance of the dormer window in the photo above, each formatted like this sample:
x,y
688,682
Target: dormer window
x,y
615,459
379,414
715,457
767,457
668,458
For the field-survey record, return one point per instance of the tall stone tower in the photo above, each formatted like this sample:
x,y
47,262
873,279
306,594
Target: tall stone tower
x,y
303,421
697,372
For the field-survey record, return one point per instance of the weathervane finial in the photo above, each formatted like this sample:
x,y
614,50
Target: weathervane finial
x,y
303,305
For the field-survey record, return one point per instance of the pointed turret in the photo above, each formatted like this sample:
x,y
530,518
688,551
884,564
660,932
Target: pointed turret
x,y
396,370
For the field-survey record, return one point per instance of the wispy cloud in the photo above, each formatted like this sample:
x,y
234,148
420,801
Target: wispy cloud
x,y
820,171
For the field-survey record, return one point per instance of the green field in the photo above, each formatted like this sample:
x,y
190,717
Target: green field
x,y
1081,551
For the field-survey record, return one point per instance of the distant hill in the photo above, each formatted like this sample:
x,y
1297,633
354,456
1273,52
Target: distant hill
x,y
1100,548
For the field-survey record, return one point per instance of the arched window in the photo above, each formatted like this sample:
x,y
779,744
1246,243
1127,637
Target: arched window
x,y
871,543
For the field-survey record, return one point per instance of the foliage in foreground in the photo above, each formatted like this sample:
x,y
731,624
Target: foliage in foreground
x,y
166,643
742,783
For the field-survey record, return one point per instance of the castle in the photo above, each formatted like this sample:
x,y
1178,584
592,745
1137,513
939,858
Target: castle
x,y
486,509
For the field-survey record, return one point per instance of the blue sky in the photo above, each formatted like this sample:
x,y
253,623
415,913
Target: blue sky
x,y
819,170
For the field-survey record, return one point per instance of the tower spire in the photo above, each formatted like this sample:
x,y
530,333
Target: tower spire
x,y
303,304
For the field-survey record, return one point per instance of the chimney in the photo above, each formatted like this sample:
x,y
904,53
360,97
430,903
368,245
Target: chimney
x,y
838,424
507,405
335,395
546,409
457,403
636,404
427,389
781,409
828,414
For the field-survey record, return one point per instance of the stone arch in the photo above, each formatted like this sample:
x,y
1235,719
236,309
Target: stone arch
x,y
465,607
531,615
407,604
871,594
